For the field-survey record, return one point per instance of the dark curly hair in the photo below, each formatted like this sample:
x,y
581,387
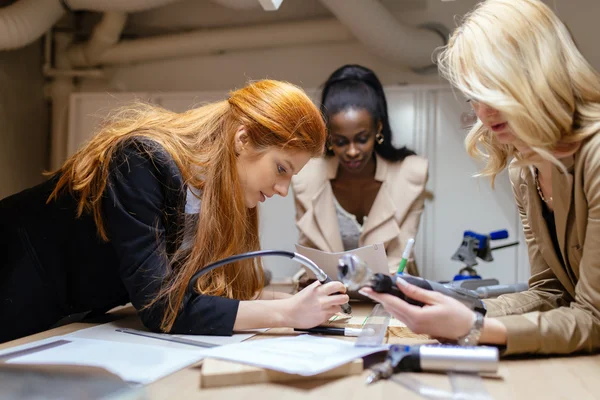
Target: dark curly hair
x,y
354,86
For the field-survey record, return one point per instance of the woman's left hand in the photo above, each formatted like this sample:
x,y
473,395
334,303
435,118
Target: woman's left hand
x,y
441,317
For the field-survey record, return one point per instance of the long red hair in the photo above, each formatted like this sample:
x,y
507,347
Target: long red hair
x,y
201,142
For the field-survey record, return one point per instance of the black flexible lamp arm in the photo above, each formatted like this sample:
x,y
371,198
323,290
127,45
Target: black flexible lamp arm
x,y
319,273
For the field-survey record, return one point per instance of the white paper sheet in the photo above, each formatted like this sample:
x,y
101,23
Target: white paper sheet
x,y
303,355
108,332
131,361
374,255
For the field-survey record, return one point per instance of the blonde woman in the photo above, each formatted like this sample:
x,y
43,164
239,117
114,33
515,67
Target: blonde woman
x,y
153,198
538,104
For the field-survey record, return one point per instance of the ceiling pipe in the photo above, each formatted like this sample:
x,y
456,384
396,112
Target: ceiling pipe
x,y
267,5
60,90
238,4
105,35
270,5
115,5
230,39
25,21
377,28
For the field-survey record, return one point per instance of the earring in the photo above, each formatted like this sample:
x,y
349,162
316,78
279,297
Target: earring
x,y
379,138
329,147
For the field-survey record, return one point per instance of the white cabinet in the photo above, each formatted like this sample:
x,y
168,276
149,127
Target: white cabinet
x,y
425,118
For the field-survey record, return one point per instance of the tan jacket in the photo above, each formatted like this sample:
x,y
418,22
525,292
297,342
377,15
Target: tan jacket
x,y
393,219
560,313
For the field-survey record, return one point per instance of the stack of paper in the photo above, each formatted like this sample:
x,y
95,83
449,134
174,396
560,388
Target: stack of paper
x,y
133,358
136,363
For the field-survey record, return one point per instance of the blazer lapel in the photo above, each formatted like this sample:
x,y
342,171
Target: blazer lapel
x,y
383,210
539,228
320,224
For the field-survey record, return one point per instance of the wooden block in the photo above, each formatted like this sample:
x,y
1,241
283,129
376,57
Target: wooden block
x,y
357,321
218,373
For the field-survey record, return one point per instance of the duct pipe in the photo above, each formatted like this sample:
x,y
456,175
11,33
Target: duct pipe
x,y
116,5
23,22
60,90
381,32
105,35
217,40
270,5
49,71
267,5
238,4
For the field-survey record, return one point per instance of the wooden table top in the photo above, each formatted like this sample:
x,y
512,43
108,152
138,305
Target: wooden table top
x,y
576,377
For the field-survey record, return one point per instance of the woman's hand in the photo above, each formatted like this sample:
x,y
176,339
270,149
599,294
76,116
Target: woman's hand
x,y
315,304
441,317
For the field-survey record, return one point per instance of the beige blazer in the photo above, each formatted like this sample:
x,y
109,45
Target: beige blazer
x,y
560,313
393,219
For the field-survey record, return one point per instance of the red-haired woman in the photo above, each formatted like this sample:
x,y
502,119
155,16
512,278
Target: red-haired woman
x,y
150,200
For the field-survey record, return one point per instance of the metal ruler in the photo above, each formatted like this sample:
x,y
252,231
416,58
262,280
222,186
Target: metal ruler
x,y
374,328
464,387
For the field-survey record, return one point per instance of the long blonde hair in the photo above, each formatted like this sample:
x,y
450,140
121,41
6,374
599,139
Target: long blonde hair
x,y
519,58
201,143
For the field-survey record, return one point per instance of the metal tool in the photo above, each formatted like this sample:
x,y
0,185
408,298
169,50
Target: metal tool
x,y
476,245
436,358
306,262
374,328
355,274
488,292
167,337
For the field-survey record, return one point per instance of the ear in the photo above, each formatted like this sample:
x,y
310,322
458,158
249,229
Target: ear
x,y
379,127
241,140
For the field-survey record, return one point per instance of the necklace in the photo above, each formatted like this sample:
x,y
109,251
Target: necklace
x,y
539,189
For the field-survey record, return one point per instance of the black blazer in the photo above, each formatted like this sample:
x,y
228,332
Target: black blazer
x,y
55,265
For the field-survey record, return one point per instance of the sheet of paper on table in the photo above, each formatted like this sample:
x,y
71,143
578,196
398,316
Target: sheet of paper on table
x,y
133,358
374,255
303,355
132,362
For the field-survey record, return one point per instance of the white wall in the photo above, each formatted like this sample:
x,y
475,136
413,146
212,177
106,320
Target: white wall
x,y
23,120
581,17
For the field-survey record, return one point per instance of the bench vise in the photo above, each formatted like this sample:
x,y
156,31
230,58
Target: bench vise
x,y
476,245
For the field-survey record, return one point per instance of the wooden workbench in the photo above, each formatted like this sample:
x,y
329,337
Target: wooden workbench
x,y
526,378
